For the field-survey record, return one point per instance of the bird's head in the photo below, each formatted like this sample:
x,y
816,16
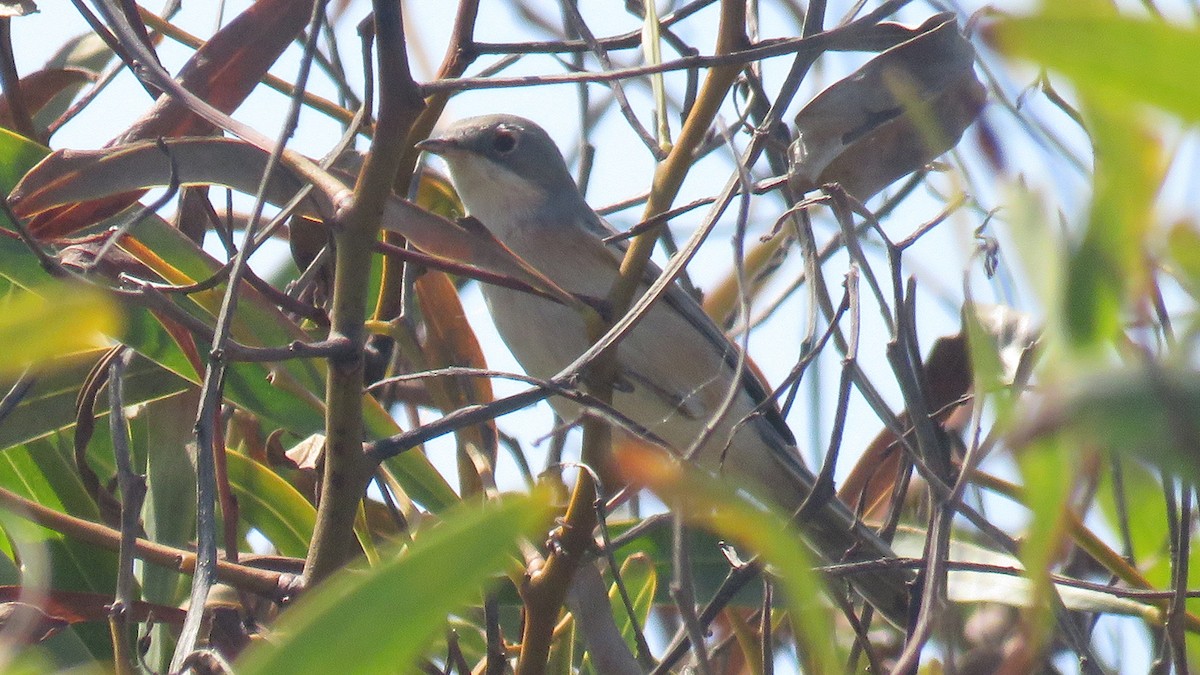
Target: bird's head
x,y
504,167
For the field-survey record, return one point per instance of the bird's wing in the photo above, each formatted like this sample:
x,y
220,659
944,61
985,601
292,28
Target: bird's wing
x,y
690,310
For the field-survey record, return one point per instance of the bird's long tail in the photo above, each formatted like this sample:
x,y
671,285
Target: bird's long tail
x,y
833,531
829,526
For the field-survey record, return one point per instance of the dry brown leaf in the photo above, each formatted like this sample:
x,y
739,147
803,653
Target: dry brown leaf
x,y
873,477
39,88
222,72
891,117
71,607
13,8
450,341
67,177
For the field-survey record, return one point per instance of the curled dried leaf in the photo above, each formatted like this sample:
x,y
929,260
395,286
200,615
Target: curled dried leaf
x,y
40,88
891,117
68,177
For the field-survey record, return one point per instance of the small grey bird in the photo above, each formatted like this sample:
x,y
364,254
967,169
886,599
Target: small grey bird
x,y
674,369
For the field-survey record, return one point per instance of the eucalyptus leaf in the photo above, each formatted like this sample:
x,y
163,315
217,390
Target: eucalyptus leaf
x,y
1117,59
1145,413
74,176
52,320
385,617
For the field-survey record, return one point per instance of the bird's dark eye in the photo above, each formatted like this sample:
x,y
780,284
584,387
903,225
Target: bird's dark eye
x,y
504,141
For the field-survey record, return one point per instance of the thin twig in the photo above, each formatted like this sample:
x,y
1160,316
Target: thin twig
x,y
683,591
10,80
133,494
347,468
211,394
861,35
269,584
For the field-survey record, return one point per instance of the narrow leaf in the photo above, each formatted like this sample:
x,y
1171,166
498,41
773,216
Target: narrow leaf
x,y
715,505
386,616
54,320
1118,59
270,504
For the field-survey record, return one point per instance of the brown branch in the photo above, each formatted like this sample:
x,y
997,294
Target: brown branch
x,y
448,266
275,585
133,494
10,79
545,589
628,40
460,53
347,468
865,34
151,297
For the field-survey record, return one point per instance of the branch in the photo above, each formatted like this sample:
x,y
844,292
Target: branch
x,y
347,468
274,585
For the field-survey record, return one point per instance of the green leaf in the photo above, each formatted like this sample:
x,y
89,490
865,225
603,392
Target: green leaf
x,y
44,472
792,563
973,587
49,405
54,319
1092,298
1110,259
641,581
709,564
69,177
1147,514
287,395
165,429
1046,467
1112,58
270,504
1183,244
652,51
1117,64
387,616
1147,413
17,155
715,505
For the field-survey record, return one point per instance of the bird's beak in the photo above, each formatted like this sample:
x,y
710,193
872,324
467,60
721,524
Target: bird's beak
x,y
438,146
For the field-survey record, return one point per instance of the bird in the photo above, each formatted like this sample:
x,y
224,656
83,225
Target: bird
x,y
674,369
